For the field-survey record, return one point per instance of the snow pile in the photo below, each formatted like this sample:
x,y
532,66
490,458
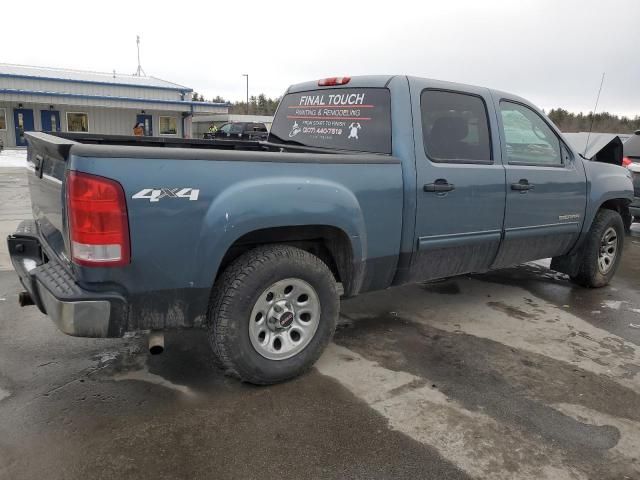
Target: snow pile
x,y
13,158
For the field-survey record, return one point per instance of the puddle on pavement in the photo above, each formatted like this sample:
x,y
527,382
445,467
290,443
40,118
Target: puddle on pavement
x,y
412,373
143,375
613,304
4,394
186,366
446,287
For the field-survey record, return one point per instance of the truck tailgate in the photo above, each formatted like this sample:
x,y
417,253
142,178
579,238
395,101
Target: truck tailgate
x,y
46,163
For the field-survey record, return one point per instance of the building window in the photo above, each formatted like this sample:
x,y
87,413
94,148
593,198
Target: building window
x,y
168,126
77,122
3,119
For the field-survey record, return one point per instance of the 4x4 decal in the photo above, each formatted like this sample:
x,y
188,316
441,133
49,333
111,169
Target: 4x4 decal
x,y
156,194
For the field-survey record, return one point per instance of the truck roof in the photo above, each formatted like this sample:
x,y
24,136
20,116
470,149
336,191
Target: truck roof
x,y
376,81
380,81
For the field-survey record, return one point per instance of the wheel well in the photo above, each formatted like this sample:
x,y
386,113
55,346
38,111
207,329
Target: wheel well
x,y
620,205
330,244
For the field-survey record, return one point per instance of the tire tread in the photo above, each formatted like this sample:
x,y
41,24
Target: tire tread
x,y
588,275
227,291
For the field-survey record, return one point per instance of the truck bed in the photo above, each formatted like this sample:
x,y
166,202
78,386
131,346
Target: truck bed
x,y
178,244
193,143
168,142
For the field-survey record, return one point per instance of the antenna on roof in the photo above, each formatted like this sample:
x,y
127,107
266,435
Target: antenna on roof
x,y
593,116
139,71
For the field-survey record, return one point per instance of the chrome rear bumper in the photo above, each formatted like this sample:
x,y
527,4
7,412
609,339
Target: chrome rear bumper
x,y
75,311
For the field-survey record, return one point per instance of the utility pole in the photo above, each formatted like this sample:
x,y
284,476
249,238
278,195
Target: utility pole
x,y
247,76
139,71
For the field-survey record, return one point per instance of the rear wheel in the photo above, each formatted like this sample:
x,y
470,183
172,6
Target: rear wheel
x,y
602,250
272,313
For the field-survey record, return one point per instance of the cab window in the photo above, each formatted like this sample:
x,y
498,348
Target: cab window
x,y
528,138
455,127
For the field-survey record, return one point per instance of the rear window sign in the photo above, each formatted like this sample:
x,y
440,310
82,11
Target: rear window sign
x,y
349,119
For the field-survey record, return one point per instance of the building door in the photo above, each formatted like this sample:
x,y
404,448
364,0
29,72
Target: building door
x,y
147,124
23,121
50,120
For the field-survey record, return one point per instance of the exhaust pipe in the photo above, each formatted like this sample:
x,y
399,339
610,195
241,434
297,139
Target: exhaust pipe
x,y
24,299
156,343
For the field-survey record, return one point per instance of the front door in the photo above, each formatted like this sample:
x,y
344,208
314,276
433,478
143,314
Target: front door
x,y
546,188
460,181
23,121
50,120
147,124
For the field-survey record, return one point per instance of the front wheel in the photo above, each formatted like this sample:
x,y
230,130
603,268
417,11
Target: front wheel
x,y
602,250
272,313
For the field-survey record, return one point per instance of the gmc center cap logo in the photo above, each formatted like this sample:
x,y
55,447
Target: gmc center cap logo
x,y
286,319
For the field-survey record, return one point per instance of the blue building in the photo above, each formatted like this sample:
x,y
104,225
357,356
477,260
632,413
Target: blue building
x,y
51,99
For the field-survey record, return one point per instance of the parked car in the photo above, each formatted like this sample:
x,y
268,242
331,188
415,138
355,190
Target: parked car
x,y
239,131
367,182
632,162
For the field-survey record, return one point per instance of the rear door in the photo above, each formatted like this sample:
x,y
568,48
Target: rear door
x,y
257,131
460,180
546,187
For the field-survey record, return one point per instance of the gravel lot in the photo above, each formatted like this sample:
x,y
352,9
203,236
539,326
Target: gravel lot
x,y
512,374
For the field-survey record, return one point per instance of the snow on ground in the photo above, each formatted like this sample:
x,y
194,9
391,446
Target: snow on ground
x,y
13,158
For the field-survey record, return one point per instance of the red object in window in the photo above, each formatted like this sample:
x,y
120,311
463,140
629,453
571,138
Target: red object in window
x,y
330,82
98,221
626,161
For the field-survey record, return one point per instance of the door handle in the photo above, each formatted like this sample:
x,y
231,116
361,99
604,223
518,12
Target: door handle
x,y
522,186
37,165
440,185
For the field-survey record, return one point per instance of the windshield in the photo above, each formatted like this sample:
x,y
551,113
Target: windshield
x,y
357,119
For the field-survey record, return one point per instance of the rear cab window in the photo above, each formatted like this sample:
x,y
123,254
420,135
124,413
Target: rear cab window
x,y
356,119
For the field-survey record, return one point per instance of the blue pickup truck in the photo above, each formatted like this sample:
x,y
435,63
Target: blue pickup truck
x,y
364,183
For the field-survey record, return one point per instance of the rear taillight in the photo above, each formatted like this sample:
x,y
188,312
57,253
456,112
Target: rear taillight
x,y
626,161
98,222
329,82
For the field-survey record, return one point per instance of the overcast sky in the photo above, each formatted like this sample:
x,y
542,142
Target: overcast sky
x,y
552,52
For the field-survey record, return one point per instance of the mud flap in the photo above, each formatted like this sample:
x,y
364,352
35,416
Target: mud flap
x,y
569,264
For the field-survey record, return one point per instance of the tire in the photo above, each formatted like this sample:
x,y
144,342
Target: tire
x,y
241,296
591,273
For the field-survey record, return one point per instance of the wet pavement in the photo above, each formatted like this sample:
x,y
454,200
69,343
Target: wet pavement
x,y
511,374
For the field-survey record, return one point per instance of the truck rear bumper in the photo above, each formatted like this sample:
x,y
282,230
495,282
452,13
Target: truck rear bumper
x,y
75,311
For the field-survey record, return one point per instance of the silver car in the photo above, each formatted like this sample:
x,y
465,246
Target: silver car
x,y
632,162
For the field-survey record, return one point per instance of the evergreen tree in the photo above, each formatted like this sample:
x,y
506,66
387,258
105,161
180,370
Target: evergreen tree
x,y
602,122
